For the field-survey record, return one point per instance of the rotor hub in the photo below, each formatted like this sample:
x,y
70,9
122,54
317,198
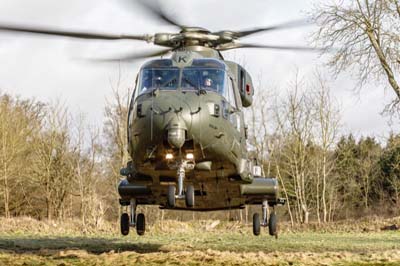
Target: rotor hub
x,y
194,29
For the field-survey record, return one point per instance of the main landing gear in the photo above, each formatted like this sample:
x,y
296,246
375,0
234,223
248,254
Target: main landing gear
x,y
131,220
271,222
188,195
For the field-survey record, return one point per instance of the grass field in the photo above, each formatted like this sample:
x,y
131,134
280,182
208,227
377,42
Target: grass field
x,y
188,245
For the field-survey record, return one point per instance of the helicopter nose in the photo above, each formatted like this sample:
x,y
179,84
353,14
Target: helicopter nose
x,y
176,134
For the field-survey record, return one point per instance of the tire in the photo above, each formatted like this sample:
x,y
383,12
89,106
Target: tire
x,y
272,224
171,196
256,224
125,224
189,196
140,224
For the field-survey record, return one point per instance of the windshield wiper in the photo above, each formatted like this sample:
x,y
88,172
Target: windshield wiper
x,y
190,82
168,82
200,90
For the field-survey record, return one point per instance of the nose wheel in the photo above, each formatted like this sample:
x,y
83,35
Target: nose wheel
x,y
188,195
131,220
171,196
271,223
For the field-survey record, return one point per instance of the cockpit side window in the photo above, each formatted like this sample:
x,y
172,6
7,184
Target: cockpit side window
x,y
158,78
229,92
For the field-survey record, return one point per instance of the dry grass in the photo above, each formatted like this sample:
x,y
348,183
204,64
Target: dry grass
x,y
26,241
209,257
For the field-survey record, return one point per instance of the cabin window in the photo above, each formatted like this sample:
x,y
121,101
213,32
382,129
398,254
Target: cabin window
x,y
158,78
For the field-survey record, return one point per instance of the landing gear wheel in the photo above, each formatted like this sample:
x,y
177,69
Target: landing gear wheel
x,y
124,224
272,225
140,224
256,224
189,197
171,196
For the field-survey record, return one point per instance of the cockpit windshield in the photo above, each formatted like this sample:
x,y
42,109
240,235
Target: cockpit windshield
x,y
159,78
202,74
210,79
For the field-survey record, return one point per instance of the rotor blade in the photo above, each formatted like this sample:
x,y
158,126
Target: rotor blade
x,y
73,34
286,25
155,9
230,46
133,56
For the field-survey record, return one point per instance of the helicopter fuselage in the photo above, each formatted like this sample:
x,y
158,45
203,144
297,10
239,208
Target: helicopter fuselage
x,y
186,125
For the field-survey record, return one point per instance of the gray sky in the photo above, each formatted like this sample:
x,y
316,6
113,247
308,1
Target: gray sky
x,y
47,69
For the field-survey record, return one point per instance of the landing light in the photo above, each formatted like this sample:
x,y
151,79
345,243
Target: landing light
x,y
190,156
169,156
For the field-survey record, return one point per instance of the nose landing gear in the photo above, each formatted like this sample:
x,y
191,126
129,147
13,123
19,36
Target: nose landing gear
x,y
271,222
188,195
131,220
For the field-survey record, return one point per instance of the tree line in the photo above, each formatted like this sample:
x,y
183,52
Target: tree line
x,y
54,165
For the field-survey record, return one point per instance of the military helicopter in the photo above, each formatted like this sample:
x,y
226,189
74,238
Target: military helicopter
x,y
186,128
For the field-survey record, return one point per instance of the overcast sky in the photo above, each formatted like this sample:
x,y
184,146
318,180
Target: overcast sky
x,y
47,69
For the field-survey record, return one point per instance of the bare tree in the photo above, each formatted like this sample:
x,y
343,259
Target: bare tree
x,y
52,168
295,123
327,121
85,161
363,35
